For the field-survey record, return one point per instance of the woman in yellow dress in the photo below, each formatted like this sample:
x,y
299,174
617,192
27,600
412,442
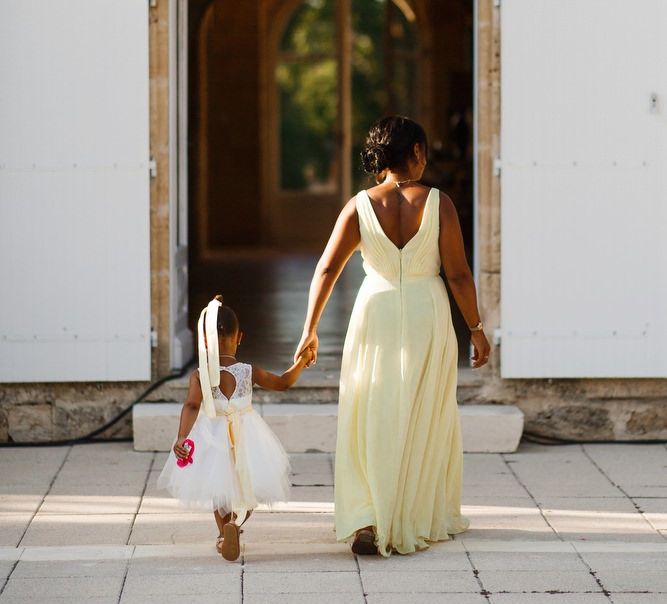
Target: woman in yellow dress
x,y
399,456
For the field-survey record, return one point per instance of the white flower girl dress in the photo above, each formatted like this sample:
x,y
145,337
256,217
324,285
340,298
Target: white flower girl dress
x,y
238,461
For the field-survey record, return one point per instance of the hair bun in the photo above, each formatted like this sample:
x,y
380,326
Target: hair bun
x,y
375,158
219,298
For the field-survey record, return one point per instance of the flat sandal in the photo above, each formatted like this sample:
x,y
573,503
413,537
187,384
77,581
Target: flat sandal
x,y
230,548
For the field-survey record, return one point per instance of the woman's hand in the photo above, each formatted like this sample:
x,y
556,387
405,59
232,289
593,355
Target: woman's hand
x,y
179,450
482,349
308,340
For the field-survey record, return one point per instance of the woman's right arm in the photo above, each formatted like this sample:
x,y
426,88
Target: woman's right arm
x,y
343,241
189,413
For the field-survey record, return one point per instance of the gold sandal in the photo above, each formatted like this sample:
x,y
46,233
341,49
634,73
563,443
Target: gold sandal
x,y
230,548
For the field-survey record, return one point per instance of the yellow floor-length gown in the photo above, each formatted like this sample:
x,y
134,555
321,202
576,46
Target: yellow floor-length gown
x,y
399,456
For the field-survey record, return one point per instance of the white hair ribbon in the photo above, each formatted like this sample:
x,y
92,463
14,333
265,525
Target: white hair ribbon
x,y
209,361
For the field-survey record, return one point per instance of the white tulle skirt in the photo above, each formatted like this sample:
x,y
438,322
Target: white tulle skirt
x,y
211,481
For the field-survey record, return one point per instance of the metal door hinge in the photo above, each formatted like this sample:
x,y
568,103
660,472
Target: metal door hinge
x,y
152,3
497,166
496,3
153,338
497,336
152,167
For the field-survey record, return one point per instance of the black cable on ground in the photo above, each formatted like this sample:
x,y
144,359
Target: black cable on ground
x,y
90,438
541,439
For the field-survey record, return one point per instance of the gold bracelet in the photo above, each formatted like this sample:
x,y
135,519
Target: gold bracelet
x,y
477,327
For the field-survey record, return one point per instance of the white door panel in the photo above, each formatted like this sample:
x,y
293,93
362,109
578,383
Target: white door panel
x,y
583,191
74,191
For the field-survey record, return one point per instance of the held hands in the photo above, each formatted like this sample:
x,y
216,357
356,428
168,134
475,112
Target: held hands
x,y
311,341
307,356
481,349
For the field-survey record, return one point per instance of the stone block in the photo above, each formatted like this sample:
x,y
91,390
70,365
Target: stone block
x,y
30,422
308,428
155,425
303,428
491,428
78,418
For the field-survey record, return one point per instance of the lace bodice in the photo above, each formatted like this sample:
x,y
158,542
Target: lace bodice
x,y
242,373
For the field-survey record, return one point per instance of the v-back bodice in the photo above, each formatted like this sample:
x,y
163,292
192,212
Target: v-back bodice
x,y
419,258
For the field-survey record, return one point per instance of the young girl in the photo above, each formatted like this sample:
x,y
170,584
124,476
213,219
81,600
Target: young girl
x,y
237,461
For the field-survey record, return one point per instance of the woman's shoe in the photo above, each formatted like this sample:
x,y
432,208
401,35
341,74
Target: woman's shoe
x,y
364,543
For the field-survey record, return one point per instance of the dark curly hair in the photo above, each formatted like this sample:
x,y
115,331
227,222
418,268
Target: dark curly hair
x,y
390,142
228,322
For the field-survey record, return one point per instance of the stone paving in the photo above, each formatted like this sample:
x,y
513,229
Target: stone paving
x,y
572,524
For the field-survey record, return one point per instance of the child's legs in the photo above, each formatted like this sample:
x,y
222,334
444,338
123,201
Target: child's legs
x,y
221,520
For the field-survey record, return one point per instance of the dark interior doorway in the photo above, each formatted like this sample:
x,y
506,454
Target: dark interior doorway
x,y
266,181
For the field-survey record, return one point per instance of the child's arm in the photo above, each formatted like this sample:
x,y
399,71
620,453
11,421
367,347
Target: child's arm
x,y
271,381
189,413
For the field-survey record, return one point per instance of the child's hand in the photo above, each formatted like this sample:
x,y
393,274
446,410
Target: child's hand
x,y
179,450
307,356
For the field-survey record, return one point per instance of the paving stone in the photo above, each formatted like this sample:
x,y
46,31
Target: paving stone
x,y
19,503
517,545
594,523
109,454
213,598
633,580
6,568
303,598
625,561
544,580
77,589
443,556
587,504
177,565
90,504
155,529
302,582
79,529
413,582
96,490
184,585
75,552
12,527
527,561
494,522
423,598
278,527
71,476
637,598
654,510
5,599
70,568
555,598
286,557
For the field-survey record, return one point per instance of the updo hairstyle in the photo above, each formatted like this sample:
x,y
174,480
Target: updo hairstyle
x,y
390,142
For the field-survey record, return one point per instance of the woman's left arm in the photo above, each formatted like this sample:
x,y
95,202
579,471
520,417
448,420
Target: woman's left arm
x,y
343,241
459,276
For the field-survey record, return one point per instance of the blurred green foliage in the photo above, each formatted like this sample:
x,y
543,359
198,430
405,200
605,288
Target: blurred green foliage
x,y
383,81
